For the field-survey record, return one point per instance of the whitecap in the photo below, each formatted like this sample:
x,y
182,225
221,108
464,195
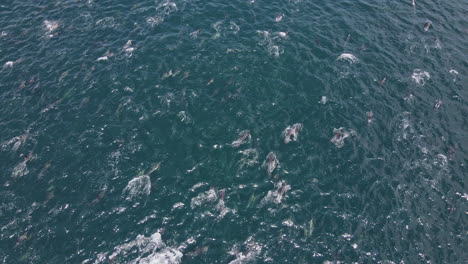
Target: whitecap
x,y
348,57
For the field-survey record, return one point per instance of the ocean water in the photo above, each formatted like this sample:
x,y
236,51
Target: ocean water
x,y
244,131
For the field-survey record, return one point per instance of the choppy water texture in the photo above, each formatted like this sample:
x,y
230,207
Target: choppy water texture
x,y
247,131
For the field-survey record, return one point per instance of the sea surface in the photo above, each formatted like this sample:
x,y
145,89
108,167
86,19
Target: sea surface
x,y
244,131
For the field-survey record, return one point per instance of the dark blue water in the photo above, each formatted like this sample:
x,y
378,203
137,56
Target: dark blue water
x,y
242,131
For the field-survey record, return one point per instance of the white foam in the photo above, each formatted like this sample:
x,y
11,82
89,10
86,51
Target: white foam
x,y
340,135
244,137
288,223
347,236
348,57
203,198
198,185
166,256
154,21
150,250
269,41
276,195
323,100
178,205
20,170
453,72
138,187
420,76
128,48
249,158
184,117
253,250
279,18
9,64
51,26
291,133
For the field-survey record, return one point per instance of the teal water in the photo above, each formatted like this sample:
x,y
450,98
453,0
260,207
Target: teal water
x,y
119,121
